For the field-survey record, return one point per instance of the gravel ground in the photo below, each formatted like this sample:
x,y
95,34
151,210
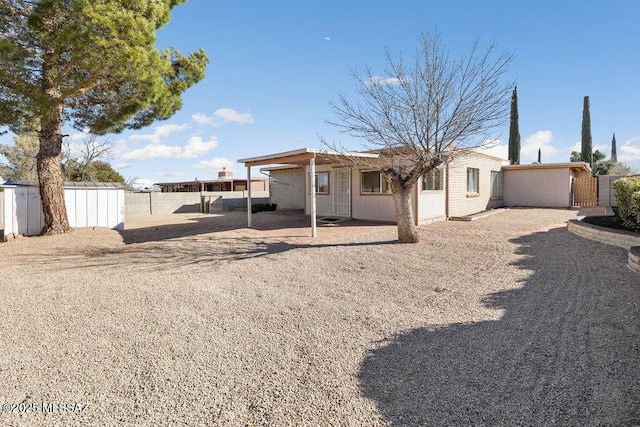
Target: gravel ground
x,y
193,320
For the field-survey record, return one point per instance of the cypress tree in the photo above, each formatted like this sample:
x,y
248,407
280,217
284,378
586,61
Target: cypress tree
x,y
539,156
587,143
514,131
614,153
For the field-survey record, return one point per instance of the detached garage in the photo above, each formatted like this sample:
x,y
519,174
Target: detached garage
x,y
541,185
89,204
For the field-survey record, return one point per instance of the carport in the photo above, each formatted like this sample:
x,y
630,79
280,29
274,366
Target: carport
x,y
303,157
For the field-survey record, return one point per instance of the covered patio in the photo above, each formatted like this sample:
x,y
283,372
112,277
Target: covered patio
x,y
303,157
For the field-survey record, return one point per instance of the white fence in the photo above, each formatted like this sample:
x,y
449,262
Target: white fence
x,y
88,205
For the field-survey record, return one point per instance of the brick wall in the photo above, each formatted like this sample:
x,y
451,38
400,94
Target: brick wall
x,y
462,203
287,188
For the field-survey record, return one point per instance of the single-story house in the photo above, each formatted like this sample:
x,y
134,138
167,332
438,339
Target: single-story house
x,y
225,182
470,183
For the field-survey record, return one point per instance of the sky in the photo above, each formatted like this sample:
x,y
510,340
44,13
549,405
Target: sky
x,y
275,66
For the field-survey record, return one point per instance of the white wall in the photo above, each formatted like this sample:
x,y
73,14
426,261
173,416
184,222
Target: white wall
x,y
549,188
323,201
373,207
86,207
462,203
432,204
287,188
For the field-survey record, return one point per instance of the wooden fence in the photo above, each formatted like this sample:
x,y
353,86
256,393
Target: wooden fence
x,y
585,191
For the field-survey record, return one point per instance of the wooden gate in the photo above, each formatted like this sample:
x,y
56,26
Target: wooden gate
x,y
585,191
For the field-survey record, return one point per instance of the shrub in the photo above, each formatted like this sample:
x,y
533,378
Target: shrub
x,y
270,207
257,207
627,191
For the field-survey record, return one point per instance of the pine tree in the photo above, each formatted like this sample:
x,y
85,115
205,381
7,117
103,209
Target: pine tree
x,y
586,154
614,153
92,65
514,131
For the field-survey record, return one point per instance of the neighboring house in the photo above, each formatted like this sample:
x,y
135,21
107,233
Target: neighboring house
x,y
471,183
225,182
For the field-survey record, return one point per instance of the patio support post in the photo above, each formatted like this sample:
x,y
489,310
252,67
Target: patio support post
x,y
312,164
249,196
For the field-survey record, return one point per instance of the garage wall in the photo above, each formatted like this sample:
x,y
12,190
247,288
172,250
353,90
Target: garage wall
x,y
550,188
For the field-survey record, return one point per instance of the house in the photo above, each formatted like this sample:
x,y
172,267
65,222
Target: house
x,y
225,182
470,183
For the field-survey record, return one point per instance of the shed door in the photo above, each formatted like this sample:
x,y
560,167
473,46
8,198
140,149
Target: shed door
x,y
340,184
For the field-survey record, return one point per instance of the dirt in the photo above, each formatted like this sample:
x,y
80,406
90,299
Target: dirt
x,y
198,320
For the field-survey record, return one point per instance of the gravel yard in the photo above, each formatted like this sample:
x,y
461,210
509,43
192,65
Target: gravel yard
x,y
191,319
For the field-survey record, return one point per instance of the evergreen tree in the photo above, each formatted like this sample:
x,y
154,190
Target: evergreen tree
x,y
614,153
20,159
514,131
92,64
586,154
539,156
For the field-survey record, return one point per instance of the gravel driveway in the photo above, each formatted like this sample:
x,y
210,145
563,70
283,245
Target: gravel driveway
x,y
193,320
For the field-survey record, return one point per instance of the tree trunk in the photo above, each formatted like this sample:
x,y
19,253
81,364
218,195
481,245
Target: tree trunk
x,y
51,178
407,230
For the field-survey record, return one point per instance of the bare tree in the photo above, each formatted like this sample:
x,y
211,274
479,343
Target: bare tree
x,y
89,150
129,183
423,114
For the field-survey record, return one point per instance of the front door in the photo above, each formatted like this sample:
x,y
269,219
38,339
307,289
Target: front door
x,y
341,185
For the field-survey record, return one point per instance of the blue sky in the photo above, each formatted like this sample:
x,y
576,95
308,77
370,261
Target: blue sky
x,y
275,65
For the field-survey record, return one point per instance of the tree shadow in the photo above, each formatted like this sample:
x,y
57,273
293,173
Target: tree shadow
x,y
565,352
210,252
294,224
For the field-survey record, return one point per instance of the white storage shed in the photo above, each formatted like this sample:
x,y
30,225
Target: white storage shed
x,y
89,204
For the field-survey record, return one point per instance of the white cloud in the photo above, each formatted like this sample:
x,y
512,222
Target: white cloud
x,y
540,140
124,165
629,152
160,133
168,174
201,119
195,147
215,163
495,148
377,80
222,116
327,38
152,151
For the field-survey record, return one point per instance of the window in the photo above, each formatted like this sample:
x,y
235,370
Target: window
x,y
433,180
372,182
473,175
496,184
322,183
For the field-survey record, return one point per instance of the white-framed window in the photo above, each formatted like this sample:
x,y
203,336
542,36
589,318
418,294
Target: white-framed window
x,y
322,183
433,180
372,182
473,176
496,184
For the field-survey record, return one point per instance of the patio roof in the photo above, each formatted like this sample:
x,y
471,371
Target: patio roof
x,y
303,156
